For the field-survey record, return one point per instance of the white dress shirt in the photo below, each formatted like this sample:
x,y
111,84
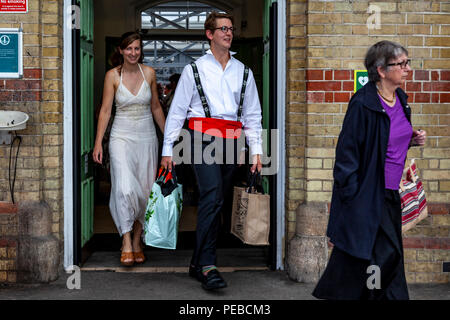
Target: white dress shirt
x,y
222,89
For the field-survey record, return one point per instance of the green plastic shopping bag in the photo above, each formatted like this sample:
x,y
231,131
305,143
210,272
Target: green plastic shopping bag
x,y
163,211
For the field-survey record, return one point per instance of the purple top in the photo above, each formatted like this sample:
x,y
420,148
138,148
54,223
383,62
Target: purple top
x,y
399,137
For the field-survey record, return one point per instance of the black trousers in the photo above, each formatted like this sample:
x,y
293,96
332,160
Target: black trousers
x,y
214,182
346,277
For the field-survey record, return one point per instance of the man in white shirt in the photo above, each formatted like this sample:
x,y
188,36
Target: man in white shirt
x,y
222,79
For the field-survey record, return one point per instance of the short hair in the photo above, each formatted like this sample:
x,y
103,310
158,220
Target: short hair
x,y
210,23
379,55
174,77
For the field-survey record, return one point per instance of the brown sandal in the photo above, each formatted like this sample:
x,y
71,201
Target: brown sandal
x,y
127,259
139,257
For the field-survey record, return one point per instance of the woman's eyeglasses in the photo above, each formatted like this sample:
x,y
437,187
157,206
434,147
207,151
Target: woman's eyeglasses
x,y
402,64
225,29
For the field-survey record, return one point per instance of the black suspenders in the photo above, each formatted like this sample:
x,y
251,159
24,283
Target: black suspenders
x,y
202,94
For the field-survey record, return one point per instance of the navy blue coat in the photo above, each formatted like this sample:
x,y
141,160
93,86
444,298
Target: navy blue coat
x,y
358,191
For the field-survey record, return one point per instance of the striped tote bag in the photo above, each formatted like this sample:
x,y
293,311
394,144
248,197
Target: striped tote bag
x,y
413,201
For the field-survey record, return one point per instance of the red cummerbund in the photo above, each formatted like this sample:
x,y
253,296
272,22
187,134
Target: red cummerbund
x,y
217,127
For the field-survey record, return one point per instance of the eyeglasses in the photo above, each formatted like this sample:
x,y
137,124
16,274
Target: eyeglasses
x,y
225,29
402,64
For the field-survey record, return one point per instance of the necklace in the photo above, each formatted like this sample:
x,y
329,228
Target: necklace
x,y
390,101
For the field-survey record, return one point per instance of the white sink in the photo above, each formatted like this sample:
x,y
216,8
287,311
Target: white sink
x,y
13,120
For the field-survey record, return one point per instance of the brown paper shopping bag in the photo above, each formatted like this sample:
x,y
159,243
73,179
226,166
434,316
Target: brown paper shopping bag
x,y
250,219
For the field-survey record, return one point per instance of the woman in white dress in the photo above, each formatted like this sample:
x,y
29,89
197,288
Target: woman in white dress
x,y
133,145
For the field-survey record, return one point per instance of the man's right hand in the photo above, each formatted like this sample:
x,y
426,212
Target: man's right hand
x,y
166,162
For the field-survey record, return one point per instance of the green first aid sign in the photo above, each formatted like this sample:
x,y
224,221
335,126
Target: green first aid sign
x,y
11,60
361,78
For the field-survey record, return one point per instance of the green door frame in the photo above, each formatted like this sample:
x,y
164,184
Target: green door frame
x,y
86,118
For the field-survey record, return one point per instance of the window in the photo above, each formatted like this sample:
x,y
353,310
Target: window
x,y
177,15
170,56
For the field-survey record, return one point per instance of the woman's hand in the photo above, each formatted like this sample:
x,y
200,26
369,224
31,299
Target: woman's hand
x,y
97,155
256,163
166,162
419,138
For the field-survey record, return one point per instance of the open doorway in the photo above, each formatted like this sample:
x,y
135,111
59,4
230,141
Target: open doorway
x,y
173,33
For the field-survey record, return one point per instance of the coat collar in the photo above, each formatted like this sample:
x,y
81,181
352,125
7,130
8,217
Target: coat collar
x,y
370,98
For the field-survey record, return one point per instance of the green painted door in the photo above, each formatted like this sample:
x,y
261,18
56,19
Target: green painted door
x,y
266,108
87,118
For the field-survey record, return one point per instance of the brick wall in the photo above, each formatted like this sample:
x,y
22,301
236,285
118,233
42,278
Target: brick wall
x,y
8,242
327,41
295,111
40,94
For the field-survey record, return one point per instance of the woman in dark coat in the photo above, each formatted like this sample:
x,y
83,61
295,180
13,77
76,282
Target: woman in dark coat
x,y
365,214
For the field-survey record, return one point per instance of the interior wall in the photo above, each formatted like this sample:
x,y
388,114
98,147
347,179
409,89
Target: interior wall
x,y
115,17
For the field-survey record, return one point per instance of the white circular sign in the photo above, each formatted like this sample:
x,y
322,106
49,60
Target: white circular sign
x,y
4,40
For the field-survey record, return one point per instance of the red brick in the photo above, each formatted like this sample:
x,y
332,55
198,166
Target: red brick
x,y
413,243
341,97
434,75
413,86
444,97
16,84
421,75
7,207
435,97
323,86
5,96
403,86
32,73
7,243
16,96
314,75
428,243
438,208
34,84
348,86
433,243
422,97
315,97
445,243
341,75
426,86
31,96
440,86
328,96
409,76
328,75
445,75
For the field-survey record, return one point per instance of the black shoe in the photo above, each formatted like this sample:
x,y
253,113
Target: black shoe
x,y
212,280
194,272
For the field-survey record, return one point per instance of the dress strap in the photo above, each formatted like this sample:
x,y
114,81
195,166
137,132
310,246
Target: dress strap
x,y
142,72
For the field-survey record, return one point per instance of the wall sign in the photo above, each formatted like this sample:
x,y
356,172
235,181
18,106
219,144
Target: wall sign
x,y
361,78
11,58
13,6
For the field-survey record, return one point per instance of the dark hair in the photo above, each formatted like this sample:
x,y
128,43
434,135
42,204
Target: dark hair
x,y
210,23
379,55
125,40
174,78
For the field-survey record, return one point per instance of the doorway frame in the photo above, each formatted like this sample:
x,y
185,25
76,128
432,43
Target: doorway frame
x,y
68,162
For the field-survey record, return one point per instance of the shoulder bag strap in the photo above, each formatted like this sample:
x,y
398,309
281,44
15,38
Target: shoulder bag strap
x,y
198,84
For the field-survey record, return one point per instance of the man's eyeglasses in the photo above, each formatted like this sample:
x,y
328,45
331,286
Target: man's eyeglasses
x,y
225,29
402,64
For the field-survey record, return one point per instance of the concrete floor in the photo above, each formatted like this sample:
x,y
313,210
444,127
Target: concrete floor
x,y
242,285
